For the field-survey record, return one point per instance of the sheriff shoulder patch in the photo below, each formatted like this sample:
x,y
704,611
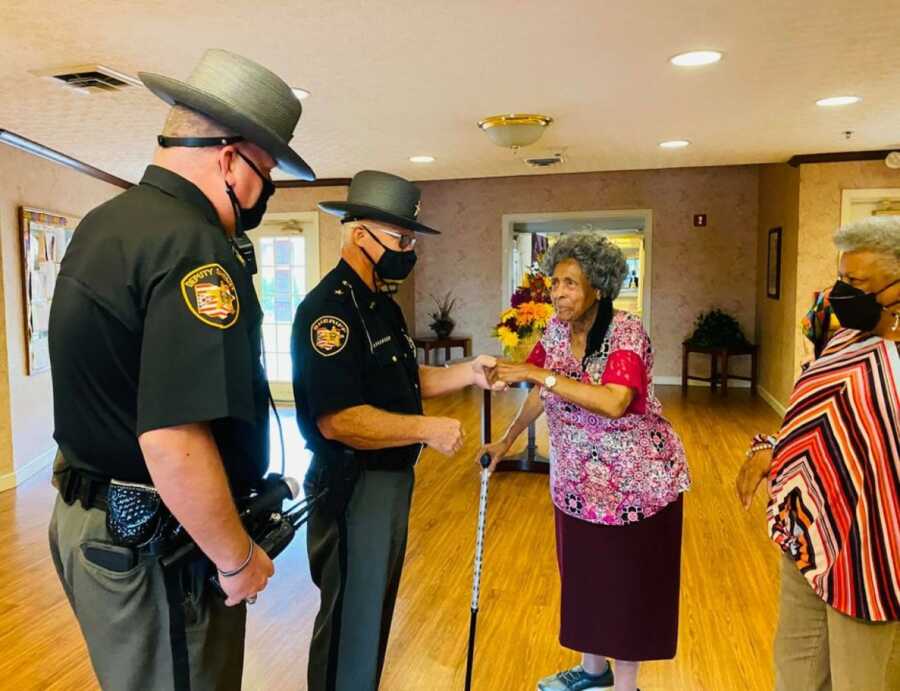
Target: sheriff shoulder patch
x,y
329,335
211,296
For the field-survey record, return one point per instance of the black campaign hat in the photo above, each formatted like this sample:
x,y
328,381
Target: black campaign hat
x,y
381,197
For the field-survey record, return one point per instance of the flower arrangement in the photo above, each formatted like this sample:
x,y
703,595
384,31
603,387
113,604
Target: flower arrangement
x,y
530,309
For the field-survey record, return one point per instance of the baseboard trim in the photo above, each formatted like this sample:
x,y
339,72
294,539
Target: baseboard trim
x,y
27,471
773,402
676,381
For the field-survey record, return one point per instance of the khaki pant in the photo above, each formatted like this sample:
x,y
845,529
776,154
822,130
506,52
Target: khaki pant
x,y
819,649
146,629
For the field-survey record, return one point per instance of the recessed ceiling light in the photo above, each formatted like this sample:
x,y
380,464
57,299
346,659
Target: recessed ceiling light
x,y
299,93
422,159
838,101
674,144
696,58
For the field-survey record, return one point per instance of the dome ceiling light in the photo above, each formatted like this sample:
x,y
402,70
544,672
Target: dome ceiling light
x,y
515,130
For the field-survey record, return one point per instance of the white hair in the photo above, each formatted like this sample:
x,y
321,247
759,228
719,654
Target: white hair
x,y
878,234
602,262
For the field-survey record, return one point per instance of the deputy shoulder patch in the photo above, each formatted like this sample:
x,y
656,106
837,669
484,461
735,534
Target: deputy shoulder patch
x,y
211,296
329,335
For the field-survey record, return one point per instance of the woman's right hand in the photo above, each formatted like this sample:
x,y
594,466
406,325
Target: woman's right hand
x,y
496,451
751,475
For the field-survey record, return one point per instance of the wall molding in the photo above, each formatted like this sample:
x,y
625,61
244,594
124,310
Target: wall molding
x,y
676,381
36,149
773,402
839,157
321,182
27,471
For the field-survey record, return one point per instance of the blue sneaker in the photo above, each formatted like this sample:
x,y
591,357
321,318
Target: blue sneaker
x,y
576,679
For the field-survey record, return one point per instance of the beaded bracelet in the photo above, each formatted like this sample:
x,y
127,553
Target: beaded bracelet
x,y
761,442
765,439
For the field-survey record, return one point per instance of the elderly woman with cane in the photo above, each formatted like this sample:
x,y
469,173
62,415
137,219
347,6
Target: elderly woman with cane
x,y
617,471
834,484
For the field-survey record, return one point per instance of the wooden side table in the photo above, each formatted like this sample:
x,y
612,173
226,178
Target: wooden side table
x,y
719,376
528,461
428,344
728,353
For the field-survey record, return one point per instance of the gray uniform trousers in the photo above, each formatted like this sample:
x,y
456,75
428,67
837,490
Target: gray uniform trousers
x,y
356,560
145,630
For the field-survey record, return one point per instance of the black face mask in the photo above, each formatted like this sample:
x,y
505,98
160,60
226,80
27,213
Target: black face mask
x,y
393,267
248,219
856,309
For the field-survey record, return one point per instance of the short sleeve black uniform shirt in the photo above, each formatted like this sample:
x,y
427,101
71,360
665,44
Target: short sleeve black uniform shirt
x,y
155,323
350,347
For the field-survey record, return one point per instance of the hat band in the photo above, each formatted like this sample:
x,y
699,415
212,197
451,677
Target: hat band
x,y
197,142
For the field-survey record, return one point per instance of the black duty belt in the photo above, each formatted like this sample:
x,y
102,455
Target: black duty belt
x,y
89,489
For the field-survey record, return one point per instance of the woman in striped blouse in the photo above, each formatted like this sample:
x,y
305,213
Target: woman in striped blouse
x,y
834,484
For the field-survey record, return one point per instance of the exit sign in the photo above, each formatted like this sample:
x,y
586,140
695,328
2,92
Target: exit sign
x,y
699,220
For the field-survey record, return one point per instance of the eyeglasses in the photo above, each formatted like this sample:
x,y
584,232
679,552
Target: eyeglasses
x,y
406,241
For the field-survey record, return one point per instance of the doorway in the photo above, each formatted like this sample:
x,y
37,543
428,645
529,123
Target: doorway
x,y
857,204
287,254
526,237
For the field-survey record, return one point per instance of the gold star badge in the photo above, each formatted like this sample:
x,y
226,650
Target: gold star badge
x,y
329,335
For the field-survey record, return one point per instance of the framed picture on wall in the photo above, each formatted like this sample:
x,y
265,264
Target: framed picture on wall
x,y
773,266
45,237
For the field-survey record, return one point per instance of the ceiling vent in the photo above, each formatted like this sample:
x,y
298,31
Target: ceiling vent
x,y
90,79
546,159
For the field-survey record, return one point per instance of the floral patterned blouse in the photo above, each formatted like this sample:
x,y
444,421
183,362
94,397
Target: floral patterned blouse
x,y
613,472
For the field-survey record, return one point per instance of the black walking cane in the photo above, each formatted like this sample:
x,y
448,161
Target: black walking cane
x,y
476,576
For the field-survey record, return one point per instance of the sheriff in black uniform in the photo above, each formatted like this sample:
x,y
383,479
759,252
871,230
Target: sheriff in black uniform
x,y
358,390
155,351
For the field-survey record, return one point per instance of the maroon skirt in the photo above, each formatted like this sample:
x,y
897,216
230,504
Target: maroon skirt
x,y
620,585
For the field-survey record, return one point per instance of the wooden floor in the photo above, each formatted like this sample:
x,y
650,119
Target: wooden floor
x,y
729,590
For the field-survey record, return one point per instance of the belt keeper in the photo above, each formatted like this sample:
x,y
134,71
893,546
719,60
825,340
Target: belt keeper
x,y
85,489
66,487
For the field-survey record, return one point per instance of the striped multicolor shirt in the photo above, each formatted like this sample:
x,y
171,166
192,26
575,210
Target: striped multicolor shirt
x,y
834,484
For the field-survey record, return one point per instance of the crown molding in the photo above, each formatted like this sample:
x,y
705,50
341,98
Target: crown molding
x,y
839,157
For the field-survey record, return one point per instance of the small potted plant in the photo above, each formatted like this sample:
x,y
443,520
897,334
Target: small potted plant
x,y
717,329
441,320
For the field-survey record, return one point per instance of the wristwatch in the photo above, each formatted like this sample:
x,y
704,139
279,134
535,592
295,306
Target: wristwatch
x,y
549,381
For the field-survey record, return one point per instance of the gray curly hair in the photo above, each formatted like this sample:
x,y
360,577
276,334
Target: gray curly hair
x,y
878,234
601,261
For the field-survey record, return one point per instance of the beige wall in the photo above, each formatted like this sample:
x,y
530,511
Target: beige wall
x,y
26,406
776,328
307,199
694,269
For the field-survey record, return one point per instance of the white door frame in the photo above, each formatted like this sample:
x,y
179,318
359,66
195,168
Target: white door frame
x,y
275,222
850,197
509,221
